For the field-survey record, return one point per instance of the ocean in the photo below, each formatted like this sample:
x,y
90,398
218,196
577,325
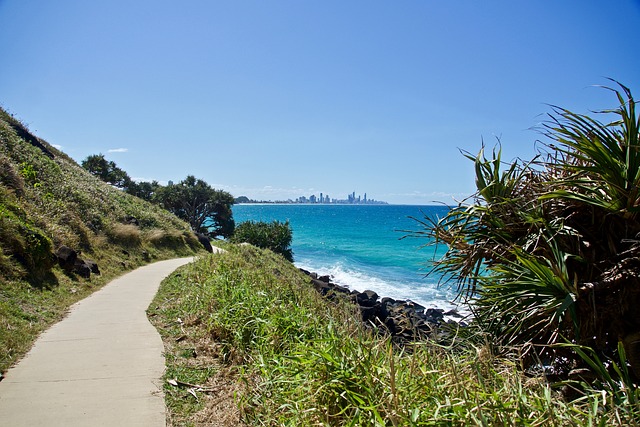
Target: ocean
x,y
361,247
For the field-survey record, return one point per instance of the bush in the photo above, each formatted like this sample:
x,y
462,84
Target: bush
x,y
275,236
548,250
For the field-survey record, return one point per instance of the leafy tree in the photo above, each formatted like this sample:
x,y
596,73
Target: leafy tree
x,y
144,189
548,251
106,170
206,209
275,236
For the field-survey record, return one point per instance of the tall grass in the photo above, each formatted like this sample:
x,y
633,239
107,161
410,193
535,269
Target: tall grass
x,y
249,331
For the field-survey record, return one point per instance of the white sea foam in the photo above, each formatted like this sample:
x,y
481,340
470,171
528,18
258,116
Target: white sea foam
x,y
422,292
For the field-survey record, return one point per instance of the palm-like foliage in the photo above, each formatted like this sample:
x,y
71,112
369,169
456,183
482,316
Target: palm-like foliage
x,y
547,250
601,161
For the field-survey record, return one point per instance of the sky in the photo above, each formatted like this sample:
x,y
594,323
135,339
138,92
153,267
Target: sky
x,y
279,99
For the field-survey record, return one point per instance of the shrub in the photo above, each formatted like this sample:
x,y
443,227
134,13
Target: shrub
x,y
548,250
275,236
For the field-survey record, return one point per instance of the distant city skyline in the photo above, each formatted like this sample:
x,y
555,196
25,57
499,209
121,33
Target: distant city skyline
x,y
352,199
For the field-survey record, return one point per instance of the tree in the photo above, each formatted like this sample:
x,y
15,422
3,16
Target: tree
x,y
144,189
106,170
275,236
206,209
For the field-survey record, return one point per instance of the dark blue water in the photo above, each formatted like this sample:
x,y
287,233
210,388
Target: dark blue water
x,y
361,246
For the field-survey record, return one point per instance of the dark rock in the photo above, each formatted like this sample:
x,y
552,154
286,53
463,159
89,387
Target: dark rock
x,y
417,307
390,323
93,266
434,315
405,321
425,327
66,257
204,240
383,310
305,271
367,298
328,289
81,268
453,313
341,289
368,313
321,286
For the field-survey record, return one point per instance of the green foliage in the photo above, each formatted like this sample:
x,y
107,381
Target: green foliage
x,y
29,173
106,170
614,377
600,162
251,331
547,250
275,236
144,190
206,209
527,298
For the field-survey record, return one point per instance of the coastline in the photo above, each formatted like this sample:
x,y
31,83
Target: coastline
x,y
360,247
404,320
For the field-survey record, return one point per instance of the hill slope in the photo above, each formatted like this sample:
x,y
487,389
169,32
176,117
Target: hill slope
x,y
48,202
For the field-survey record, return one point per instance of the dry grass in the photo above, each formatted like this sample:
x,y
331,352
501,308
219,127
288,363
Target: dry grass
x,y
125,234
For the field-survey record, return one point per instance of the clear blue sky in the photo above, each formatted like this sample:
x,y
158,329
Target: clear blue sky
x,y
278,99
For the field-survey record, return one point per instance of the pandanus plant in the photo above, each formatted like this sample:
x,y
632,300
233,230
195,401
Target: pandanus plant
x,y
547,251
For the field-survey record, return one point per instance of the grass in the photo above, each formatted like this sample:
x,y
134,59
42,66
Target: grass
x,y
47,200
262,348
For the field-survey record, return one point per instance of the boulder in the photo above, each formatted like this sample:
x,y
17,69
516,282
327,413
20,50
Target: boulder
x,y
93,266
81,268
66,257
368,313
204,240
367,298
322,287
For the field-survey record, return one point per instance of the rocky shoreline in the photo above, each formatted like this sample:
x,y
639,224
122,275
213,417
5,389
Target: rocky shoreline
x,y
405,321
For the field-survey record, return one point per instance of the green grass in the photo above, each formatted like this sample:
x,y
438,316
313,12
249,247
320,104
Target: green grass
x,y
48,202
266,350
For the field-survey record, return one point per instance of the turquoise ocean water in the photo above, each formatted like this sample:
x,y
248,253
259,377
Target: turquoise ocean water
x,y
360,246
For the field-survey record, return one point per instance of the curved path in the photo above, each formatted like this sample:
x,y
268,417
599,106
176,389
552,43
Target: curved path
x,y
100,366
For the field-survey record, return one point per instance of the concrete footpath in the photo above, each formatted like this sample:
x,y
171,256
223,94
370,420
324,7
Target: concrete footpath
x,y
100,366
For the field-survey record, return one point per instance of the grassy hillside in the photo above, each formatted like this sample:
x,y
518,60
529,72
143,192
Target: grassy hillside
x,y
248,341
48,201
